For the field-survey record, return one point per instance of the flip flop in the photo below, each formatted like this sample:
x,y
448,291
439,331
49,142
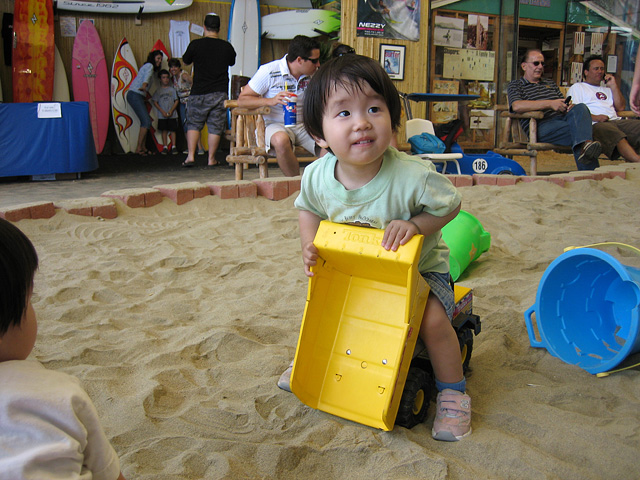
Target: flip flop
x,y
143,153
188,164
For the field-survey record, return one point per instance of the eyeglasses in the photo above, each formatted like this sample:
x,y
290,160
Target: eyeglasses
x,y
536,63
312,60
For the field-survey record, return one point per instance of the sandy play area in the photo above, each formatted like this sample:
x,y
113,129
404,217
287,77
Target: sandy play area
x,y
178,321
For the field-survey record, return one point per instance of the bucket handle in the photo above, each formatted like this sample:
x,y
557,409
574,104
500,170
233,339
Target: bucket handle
x,y
532,335
623,245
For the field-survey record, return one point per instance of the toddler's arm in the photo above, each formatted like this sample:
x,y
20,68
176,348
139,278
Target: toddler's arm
x,y
399,232
309,223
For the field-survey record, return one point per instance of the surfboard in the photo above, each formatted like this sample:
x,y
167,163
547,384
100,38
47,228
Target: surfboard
x,y
60,82
310,22
33,52
125,121
132,6
244,35
90,80
155,134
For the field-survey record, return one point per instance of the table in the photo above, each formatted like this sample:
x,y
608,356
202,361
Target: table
x,y
44,146
433,97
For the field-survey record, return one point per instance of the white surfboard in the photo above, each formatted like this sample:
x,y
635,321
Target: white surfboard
x,y
123,6
311,22
60,81
125,121
244,35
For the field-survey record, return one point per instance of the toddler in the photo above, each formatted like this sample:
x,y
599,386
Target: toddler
x,y
48,426
352,109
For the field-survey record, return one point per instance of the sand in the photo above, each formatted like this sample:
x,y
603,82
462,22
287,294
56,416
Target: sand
x,y
178,321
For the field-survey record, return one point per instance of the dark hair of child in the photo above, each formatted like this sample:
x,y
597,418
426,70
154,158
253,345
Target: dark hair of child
x,y
351,72
18,265
163,72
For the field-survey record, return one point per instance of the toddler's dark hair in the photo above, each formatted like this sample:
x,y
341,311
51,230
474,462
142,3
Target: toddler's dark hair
x,y
18,265
164,72
350,72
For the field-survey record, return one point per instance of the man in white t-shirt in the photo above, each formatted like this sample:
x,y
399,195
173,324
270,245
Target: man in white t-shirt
x,y
600,93
271,86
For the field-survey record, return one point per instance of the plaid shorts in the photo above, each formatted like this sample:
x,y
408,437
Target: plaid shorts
x,y
209,109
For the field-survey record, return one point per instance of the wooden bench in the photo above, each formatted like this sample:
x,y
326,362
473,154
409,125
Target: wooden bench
x,y
515,142
248,142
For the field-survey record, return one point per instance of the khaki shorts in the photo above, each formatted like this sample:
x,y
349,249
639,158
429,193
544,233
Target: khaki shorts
x,y
611,132
298,136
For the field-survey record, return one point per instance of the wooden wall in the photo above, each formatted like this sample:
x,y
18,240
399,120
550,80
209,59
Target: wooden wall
x,y
416,55
112,27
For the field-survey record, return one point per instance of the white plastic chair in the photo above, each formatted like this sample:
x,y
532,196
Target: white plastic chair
x,y
416,126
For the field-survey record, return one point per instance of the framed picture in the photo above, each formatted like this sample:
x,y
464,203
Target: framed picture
x,y
392,60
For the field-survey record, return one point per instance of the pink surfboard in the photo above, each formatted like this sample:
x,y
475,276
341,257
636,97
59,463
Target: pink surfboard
x,y
155,134
91,80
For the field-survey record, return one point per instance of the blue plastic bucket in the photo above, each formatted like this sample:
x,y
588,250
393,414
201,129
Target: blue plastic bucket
x,y
466,239
587,310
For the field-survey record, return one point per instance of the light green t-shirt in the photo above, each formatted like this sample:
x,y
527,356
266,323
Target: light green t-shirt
x,y
404,187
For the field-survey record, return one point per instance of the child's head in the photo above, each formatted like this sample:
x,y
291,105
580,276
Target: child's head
x,y
164,76
174,66
353,73
18,265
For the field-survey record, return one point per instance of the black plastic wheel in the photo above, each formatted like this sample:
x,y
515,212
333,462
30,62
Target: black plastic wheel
x,y
465,339
415,398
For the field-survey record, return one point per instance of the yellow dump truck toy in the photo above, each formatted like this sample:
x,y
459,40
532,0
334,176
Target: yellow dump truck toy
x,y
356,356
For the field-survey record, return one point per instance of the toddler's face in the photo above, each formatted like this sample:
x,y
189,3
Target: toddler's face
x,y
356,125
164,79
18,342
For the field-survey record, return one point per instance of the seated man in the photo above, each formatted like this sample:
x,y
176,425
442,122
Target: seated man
x,y
562,124
619,138
270,86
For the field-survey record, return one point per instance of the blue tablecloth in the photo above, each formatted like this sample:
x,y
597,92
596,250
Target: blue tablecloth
x,y
38,146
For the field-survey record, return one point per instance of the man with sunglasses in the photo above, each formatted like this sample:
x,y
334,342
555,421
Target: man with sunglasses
x,y
271,86
563,123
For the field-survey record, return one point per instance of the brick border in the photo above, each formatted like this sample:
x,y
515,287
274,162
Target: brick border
x,y
277,188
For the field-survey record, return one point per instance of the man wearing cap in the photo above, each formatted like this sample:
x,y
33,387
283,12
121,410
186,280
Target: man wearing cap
x,y
211,58
271,86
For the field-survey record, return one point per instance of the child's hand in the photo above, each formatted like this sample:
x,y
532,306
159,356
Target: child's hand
x,y
310,257
397,233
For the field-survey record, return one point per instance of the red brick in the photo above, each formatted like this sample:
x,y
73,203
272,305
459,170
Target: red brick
x,y
507,180
247,189
177,195
15,214
617,173
152,198
294,184
84,211
273,188
484,179
42,210
224,190
464,181
201,192
135,200
104,211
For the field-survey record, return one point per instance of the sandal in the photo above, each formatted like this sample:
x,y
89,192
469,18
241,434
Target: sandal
x,y
142,153
188,164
